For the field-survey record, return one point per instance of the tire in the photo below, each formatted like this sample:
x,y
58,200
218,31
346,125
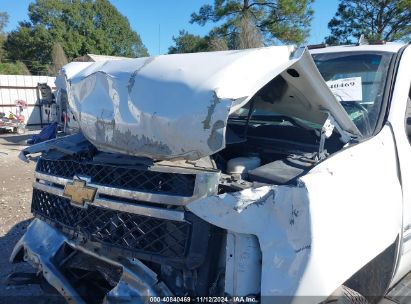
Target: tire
x,y
346,295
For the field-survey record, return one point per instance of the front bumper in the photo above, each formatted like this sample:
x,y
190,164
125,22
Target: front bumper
x,y
41,243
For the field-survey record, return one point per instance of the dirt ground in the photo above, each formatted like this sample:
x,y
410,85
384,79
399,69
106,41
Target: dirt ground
x,y
16,178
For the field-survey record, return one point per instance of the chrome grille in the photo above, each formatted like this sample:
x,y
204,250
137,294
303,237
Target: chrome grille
x,y
136,211
115,228
132,178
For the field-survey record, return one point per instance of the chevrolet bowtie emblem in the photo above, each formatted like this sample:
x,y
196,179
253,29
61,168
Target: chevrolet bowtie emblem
x,y
79,193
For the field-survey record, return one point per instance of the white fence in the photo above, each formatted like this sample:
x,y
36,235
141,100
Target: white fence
x,y
19,87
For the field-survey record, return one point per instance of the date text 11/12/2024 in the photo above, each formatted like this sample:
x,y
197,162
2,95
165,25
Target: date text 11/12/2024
x,y
205,299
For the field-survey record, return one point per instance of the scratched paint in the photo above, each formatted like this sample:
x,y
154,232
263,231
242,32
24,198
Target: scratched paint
x,y
265,213
177,106
315,235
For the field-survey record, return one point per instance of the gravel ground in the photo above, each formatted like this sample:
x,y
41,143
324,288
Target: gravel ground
x,y
16,178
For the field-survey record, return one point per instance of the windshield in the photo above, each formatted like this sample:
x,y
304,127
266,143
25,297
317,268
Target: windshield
x,y
357,80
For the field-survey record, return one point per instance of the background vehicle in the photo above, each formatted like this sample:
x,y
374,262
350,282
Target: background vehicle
x,y
14,122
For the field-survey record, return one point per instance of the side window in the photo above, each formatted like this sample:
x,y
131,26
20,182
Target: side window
x,y
408,117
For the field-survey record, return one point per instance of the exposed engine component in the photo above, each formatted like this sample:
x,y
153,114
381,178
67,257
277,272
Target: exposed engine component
x,y
243,265
241,165
283,171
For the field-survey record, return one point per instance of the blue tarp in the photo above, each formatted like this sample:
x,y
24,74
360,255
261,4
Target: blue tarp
x,y
47,133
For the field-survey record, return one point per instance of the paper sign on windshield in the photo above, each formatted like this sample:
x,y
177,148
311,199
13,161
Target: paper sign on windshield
x,y
346,89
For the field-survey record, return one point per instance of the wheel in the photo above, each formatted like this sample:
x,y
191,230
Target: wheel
x,y
346,295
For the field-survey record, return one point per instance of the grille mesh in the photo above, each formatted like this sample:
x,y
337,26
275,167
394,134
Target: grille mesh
x,y
137,179
126,230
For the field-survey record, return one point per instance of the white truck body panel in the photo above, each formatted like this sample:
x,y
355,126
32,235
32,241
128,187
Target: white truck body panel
x,y
140,106
308,234
397,119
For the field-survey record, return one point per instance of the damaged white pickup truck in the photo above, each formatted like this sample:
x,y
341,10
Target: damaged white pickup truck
x,y
273,173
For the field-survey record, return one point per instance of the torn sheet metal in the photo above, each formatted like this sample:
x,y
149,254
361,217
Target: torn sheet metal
x,y
307,96
243,265
41,242
177,106
314,236
70,144
279,217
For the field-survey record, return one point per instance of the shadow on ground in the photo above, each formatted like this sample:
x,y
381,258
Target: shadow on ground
x,y
15,139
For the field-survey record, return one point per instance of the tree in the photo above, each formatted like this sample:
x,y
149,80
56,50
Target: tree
x,y
218,44
9,68
278,20
18,68
249,36
387,20
59,59
188,43
31,45
4,20
79,26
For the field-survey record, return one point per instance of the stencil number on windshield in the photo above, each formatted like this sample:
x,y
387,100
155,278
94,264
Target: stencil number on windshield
x,y
346,89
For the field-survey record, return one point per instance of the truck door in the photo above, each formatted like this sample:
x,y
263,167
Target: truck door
x,y
400,120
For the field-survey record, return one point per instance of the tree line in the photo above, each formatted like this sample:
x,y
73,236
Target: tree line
x,y
60,30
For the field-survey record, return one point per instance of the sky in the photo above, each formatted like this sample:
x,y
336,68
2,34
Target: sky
x,y
157,21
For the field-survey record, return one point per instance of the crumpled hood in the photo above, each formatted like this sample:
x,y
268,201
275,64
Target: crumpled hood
x,y
177,106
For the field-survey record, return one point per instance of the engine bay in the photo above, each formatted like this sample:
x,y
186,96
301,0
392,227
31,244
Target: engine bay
x,y
268,150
